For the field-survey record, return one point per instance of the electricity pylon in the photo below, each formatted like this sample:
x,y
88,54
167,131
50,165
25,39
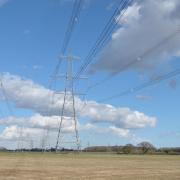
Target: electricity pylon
x,y
68,108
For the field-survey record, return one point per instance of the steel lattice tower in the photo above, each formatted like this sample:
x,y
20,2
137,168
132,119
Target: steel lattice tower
x,y
68,103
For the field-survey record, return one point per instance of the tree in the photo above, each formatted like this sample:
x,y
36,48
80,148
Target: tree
x,y
146,147
128,148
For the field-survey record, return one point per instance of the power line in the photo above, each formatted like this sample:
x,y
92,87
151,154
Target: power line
x,y
110,26
74,18
77,7
137,59
144,85
105,34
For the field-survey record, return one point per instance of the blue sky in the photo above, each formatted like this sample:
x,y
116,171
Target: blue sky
x,y
31,36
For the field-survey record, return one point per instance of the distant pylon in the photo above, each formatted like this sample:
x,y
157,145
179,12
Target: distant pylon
x,y
20,140
68,109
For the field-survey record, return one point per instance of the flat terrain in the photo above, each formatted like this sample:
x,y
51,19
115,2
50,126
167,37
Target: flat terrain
x,y
29,166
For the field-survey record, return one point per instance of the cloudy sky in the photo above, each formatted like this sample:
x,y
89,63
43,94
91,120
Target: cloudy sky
x,y
144,46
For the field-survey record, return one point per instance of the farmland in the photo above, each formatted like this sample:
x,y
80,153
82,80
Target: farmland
x,y
47,166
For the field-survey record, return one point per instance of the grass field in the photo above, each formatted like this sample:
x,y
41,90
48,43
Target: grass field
x,y
29,166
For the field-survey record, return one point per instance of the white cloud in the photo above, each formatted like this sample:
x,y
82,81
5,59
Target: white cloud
x,y
10,133
26,94
40,122
40,130
130,15
120,132
143,26
121,117
14,136
37,125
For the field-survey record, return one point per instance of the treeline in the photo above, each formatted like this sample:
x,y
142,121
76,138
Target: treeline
x,y
36,150
142,148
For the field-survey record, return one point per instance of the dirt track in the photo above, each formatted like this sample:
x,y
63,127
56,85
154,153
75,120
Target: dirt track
x,y
87,166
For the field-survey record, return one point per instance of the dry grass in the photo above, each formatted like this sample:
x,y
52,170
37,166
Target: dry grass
x,y
88,166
